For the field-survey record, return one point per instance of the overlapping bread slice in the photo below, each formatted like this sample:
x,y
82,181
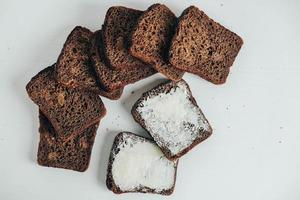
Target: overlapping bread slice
x,y
73,65
73,154
73,68
111,79
70,111
136,164
118,24
172,117
151,39
203,46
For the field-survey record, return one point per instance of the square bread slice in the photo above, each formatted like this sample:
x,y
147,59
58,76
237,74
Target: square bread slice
x,y
118,24
111,79
73,154
172,117
151,38
136,164
70,111
74,69
203,47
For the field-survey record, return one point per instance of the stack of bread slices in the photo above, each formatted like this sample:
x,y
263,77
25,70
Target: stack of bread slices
x,y
131,46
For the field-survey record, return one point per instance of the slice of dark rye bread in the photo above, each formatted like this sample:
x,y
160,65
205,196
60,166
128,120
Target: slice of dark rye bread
x,y
73,68
172,117
151,38
70,111
203,46
111,79
73,154
73,65
136,164
118,24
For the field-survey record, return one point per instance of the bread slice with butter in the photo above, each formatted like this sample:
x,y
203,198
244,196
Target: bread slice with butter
x,y
172,117
136,164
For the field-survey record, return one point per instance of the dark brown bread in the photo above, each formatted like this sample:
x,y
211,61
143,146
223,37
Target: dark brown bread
x,y
203,46
117,27
113,95
70,111
130,139
73,154
73,68
170,124
73,65
111,79
151,39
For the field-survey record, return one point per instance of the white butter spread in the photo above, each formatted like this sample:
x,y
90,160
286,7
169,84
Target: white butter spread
x,y
172,119
140,163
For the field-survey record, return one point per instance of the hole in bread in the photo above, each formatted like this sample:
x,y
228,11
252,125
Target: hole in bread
x,y
193,49
74,50
71,82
